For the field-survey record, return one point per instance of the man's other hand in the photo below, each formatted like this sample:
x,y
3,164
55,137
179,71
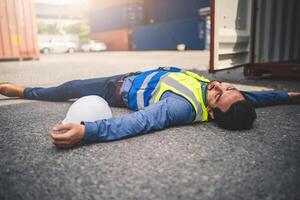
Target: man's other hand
x,y
70,136
294,97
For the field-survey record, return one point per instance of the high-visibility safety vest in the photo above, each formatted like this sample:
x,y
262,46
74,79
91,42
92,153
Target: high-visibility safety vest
x,y
148,87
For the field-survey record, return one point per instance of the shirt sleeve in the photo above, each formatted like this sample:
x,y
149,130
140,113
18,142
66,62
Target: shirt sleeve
x,y
263,99
167,112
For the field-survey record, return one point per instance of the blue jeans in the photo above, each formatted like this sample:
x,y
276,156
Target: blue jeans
x,y
104,87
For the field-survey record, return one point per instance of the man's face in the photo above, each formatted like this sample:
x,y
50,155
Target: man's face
x,y
222,95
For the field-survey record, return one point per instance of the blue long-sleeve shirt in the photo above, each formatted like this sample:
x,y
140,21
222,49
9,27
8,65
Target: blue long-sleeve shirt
x,y
263,99
171,110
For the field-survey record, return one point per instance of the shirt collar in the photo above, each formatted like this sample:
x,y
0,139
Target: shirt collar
x,y
203,89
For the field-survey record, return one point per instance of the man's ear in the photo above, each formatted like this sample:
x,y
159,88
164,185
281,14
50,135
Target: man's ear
x,y
210,112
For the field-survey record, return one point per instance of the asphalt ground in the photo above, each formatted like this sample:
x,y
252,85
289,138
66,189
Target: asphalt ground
x,y
199,161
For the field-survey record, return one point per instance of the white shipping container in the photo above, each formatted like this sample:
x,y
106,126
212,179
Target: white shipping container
x,y
262,35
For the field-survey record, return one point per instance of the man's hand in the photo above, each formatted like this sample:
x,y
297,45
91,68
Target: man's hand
x,y
294,97
72,134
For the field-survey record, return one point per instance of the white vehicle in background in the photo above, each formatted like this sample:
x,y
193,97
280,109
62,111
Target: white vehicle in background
x,y
93,46
57,46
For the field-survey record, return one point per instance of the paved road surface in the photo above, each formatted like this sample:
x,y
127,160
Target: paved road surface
x,y
198,161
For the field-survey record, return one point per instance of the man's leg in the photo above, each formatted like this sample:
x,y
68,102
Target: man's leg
x,y
104,87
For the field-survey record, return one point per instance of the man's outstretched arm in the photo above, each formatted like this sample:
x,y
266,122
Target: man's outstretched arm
x,y
168,112
158,116
263,99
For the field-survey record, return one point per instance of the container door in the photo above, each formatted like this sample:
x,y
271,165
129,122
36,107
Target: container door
x,y
231,33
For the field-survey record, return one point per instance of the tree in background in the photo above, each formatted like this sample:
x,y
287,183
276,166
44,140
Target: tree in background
x,y
50,29
80,29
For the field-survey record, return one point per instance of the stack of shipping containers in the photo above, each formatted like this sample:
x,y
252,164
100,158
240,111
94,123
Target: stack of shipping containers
x,y
169,23
18,30
148,24
112,21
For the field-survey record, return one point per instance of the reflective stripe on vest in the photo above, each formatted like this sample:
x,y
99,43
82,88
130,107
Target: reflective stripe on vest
x,y
144,85
185,85
140,92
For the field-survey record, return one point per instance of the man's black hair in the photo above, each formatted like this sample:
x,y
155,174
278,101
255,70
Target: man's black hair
x,y
239,116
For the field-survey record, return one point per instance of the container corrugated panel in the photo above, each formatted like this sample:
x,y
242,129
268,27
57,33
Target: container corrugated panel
x,y
117,17
276,40
278,31
97,5
117,40
18,31
166,10
167,35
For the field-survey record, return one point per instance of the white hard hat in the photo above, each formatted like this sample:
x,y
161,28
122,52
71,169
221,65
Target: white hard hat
x,y
89,108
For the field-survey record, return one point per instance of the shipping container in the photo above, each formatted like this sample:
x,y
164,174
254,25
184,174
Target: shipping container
x,y
97,5
262,35
116,40
117,17
167,35
165,10
18,30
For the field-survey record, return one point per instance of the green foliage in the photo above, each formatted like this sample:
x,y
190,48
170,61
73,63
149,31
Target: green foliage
x,y
80,29
47,29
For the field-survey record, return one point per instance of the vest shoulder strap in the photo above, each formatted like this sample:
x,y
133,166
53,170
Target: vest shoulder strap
x,y
196,76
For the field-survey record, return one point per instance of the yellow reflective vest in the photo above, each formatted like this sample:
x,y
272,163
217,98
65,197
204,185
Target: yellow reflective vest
x,y
149,87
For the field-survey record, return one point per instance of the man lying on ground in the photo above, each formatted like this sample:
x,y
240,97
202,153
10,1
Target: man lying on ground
x,y
161,98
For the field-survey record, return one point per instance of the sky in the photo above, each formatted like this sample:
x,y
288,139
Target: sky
x,y
62,2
